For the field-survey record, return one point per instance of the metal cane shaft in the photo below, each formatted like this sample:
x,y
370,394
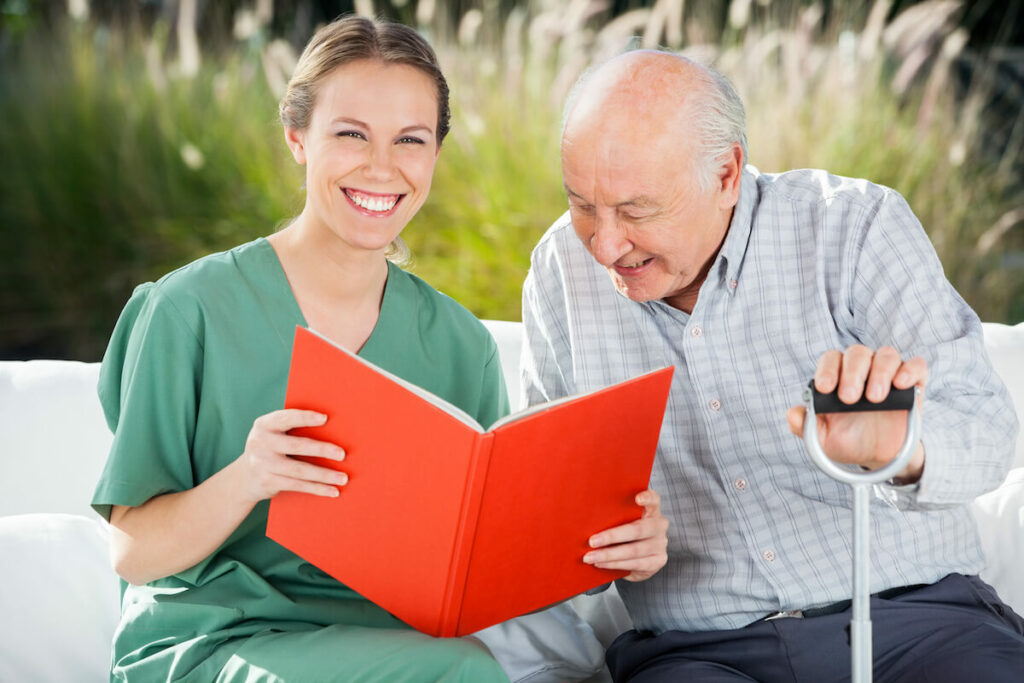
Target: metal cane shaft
x,y
861,657
860,626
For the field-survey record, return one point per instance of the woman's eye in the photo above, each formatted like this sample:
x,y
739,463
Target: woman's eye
x,y
350,134
408,139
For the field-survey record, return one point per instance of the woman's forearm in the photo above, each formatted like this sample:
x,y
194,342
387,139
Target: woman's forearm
x,y
174,531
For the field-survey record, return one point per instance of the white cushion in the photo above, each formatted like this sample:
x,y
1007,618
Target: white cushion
x,y
1005,346
508,335
1000,516
54,435
58,599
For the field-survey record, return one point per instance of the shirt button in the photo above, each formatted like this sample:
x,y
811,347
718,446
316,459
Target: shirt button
x,y
768,555
733,284
740,484
715,404
695,331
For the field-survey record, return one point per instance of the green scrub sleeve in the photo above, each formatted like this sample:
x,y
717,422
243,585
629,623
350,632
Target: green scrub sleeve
x,y
148,387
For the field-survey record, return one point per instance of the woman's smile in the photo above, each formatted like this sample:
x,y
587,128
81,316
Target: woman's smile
x,y
372,203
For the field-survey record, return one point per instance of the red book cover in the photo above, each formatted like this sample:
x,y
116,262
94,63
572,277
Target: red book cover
x,y
450,527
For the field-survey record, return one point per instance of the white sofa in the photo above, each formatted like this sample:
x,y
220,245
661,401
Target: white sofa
x,y
59,597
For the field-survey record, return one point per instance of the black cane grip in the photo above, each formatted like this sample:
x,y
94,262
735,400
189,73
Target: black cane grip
x,y
898,399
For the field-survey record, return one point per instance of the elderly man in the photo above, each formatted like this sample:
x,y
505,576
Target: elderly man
x,y
674,252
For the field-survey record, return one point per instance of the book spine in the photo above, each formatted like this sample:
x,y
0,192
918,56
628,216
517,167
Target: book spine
x,y
476,478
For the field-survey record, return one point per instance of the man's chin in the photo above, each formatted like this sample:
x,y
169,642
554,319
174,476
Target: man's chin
x,y
632,291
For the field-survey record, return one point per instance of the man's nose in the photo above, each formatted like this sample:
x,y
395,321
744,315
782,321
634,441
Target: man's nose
x,y
609,242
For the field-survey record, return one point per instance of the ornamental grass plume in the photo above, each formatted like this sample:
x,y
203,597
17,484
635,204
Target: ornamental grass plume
x,y
130,164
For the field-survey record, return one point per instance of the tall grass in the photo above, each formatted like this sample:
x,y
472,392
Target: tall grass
x,y
117,171
119,167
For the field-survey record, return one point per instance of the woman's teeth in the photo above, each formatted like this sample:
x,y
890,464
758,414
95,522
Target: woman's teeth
x,y
376,203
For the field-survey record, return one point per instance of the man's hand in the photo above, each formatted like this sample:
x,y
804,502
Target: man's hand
x,y
869,439
638,547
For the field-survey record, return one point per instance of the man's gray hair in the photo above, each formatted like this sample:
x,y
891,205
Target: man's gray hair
x,y
720,121
718,118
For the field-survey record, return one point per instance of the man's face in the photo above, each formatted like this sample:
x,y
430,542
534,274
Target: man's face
x,y
637,205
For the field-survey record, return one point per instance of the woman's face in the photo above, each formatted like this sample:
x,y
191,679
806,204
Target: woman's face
x,y
369,151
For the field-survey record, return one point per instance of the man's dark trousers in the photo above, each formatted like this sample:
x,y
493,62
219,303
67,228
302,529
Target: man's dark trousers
x,y
954,631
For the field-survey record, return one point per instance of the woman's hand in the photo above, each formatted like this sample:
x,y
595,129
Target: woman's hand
x,y
173,531
266,467
640,547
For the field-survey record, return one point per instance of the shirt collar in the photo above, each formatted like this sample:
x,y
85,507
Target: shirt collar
x,y
738,238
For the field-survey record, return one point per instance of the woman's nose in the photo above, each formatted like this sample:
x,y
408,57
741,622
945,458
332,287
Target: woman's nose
x,y
379,164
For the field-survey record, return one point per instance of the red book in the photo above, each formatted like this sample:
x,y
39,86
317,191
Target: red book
x,y
450,527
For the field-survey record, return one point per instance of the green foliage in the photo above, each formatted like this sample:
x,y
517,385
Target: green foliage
x,y
496,189
119,168
112,181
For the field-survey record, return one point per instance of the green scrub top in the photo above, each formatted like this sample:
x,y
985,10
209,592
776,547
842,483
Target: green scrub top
x,y
194,359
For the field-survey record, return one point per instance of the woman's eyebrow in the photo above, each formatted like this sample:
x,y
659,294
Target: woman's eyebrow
x,y
362,124
418,127
350,121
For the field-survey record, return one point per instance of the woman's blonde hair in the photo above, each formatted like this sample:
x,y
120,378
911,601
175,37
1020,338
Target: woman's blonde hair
x,y
350,39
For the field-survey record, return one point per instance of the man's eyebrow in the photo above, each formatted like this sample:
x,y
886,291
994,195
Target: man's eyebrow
x,y
641,202
569,190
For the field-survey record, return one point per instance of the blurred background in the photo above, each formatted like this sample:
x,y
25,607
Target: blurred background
x,y
136,136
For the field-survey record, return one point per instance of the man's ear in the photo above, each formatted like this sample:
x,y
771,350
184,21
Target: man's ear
x,y
729,174
296,140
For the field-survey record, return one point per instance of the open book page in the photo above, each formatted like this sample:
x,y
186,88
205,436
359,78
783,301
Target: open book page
x,y
535,408
547,405
450,408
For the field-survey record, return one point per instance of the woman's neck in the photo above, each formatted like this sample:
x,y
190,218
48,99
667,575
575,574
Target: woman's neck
x,y
338,289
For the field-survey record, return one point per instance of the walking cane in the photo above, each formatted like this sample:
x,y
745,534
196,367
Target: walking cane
x,y
899,399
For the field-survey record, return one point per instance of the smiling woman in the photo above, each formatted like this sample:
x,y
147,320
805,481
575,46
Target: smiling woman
x,y
194,378
369,159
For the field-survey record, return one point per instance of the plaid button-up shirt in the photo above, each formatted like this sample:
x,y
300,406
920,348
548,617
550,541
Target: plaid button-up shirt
x,y
811,262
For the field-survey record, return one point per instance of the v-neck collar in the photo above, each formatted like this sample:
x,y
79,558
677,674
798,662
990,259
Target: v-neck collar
x,y
278,292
